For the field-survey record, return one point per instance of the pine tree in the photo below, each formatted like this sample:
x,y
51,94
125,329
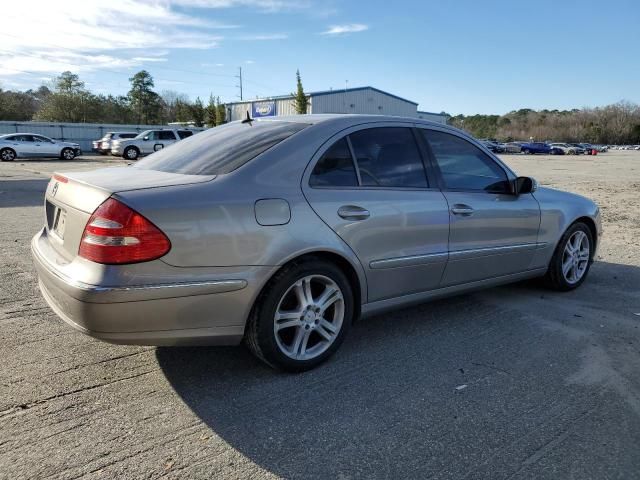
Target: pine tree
x,y
300,100
212,112
198,113
221,112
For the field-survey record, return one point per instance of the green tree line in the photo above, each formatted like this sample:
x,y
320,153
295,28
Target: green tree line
x,y
68,100
617,124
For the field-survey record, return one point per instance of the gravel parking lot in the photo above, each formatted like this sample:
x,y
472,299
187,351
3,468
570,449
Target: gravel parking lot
x,y
513,382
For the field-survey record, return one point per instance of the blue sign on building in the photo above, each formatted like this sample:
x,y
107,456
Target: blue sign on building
x,y
263,109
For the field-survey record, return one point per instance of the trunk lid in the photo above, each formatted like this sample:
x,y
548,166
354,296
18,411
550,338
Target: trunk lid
x,y
72,197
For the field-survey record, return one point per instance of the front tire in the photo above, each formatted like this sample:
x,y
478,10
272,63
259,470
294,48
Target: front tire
x,y
572,259
302,316
67,154
131,153
7,155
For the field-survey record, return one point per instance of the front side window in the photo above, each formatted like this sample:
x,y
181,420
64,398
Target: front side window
x,y
335,168
388,157
221,149
464,166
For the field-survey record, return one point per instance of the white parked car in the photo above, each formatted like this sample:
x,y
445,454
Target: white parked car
x,y
147,142
103,146
23,145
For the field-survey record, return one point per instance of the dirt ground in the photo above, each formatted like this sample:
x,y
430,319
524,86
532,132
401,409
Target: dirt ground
x,y
511,382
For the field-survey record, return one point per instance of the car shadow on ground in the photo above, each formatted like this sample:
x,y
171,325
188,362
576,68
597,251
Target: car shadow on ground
x,y
22,193
441,387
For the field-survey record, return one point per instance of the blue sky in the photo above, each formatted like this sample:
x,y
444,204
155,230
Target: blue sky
x,y
459,57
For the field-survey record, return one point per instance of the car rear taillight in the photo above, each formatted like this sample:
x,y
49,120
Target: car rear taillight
x,y
116,234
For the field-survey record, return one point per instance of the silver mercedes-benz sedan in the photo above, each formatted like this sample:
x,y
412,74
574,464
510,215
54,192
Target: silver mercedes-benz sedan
x,y
281,232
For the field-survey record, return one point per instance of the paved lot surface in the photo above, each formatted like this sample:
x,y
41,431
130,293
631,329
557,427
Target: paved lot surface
x,y
514,382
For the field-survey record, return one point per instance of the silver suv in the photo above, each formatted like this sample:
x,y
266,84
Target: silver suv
x,y
147,142
103,146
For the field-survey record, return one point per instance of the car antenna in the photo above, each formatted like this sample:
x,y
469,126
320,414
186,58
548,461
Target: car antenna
x,y
248,119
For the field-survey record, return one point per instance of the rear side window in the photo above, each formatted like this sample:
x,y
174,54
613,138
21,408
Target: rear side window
x,y
166,135
128,135
464,166
184,133
388,157
221,149
335,168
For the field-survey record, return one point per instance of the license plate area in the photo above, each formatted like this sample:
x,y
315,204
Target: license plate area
x,y
59,222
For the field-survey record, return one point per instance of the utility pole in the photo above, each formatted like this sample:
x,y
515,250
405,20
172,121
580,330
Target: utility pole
x,y
239,76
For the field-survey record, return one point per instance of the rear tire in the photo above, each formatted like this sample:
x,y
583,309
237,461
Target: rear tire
x,y
131,153
568,270
7,155
301,317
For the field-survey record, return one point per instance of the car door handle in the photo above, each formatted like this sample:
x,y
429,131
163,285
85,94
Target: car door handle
x,y
462,209
353,212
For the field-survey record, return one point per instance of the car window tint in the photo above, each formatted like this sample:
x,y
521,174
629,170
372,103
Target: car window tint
x,y
388,157
221,149
24,138
335,168
184,133
166,135
463,165
128,135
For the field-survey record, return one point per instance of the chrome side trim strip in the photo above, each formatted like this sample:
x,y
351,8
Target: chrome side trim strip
x,y
410,261
216,286
136,292
486,252
414,260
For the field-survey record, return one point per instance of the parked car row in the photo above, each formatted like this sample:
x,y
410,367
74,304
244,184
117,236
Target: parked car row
x,y
546,148
131,145
625,147
24,145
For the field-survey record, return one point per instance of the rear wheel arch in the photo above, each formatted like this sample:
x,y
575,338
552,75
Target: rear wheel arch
x,y
331,257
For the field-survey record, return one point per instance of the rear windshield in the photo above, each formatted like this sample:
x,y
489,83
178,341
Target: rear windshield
x,y
221,149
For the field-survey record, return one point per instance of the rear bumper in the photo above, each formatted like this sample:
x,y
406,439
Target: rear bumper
x,y
211,312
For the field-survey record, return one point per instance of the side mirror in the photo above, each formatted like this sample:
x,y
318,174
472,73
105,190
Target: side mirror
x,y
525,185
146,139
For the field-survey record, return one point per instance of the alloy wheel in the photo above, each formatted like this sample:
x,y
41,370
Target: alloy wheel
x,y
575,257
8,155
309,317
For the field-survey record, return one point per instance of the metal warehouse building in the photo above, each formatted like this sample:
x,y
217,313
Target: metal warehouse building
x,y
363,100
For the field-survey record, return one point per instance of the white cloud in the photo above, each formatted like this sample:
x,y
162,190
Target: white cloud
x,y
265,37
348,28
263,5
85,35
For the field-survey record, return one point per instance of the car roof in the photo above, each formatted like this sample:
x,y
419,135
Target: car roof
x,y
22,133
345,120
